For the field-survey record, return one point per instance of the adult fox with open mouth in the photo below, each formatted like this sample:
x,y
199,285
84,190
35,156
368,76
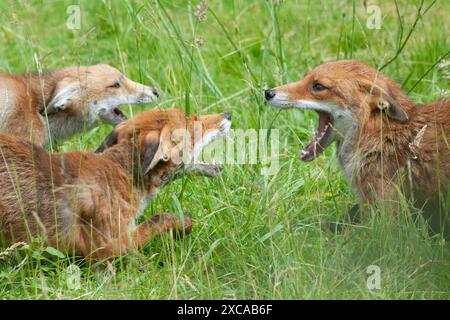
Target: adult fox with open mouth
x,y
57,104
384,140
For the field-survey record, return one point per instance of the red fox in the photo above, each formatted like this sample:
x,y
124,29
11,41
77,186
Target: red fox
x,y
60,103
86,203
384,140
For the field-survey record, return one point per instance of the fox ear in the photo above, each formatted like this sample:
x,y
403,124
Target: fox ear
x,y
157,147
392,107
387,102
109,141
65,92
151,144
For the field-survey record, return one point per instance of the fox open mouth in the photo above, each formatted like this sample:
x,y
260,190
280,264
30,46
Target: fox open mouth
x,y
322,138
208,169
119,116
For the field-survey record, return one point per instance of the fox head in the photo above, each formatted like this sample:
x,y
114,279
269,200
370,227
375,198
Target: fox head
x,y
165,141
94,94
346,94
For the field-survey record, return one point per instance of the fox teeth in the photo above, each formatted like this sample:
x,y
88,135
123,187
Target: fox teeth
x,y
322,133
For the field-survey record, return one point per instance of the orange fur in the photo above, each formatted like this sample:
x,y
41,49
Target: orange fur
x,y
86,203
389,141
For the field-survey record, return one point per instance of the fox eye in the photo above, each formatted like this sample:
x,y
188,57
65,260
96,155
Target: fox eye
x,y
318,87
115,85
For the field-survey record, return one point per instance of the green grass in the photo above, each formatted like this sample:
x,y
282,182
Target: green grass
x,y
254,236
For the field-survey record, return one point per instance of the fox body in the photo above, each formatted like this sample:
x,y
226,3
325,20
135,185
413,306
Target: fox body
x,y
86,203
384,140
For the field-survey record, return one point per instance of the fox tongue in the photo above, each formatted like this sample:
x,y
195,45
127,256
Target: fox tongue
x,y
318,145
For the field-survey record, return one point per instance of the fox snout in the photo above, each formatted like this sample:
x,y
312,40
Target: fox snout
x,y
120,93
281,97
142,93
269,94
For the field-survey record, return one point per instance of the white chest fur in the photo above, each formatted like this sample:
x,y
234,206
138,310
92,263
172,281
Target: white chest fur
x,y
349,158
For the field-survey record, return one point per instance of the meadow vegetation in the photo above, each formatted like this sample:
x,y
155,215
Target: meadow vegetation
x,y
254,236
